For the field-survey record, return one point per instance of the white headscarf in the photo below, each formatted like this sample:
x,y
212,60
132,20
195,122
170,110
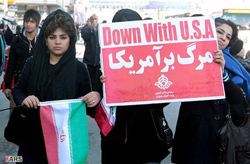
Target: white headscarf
x,y
12,26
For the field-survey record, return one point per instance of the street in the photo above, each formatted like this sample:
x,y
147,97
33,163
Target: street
x,y
94,156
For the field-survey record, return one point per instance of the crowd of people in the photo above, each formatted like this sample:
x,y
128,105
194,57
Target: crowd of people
x,y
37,71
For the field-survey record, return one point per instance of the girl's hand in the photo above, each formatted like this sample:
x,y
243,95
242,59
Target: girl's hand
x,y
91,99
7,93
103,79
219,58
31,102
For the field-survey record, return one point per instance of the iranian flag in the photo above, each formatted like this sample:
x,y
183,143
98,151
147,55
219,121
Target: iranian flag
x,y
65,131
105,117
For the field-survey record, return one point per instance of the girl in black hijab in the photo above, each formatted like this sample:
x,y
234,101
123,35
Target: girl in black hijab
x,y
133,140
53,73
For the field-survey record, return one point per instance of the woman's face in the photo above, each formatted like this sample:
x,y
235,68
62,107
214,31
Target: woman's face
x,y
58,42
224,35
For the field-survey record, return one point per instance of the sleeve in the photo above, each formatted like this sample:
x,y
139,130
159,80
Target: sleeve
x,y
83,80
84,86
1,59
20,90
12,61
86,33
246,64
158,106
233,92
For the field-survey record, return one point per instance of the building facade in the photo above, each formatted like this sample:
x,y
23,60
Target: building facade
x,y
81,10
17,8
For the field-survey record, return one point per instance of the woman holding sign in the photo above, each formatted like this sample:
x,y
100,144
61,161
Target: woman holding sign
x,y
196,140
133,140
53,73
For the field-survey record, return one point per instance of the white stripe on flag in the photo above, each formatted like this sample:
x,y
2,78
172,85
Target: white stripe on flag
x,y
61,111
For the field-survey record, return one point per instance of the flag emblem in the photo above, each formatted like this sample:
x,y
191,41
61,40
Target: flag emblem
x,y
63,136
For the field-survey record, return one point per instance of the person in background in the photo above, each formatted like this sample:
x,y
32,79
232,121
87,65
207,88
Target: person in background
x,y
196,140
248,54
238,52
20,50
133,140
2,53
11,30
148,18
104,21
77,30
92,51
51,73
2,29
41,23
237,49
88,23
197,15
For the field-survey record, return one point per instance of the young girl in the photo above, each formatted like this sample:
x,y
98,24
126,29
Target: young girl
x,y
53,73
133,140
196,140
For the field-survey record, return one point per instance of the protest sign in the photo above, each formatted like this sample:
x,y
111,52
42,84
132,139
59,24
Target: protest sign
x,y
157,61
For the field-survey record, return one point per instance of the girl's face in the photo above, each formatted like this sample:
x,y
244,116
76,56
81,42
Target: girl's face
x,y
58,42
224,35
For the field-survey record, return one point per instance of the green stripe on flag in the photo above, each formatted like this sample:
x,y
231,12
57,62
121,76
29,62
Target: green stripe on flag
x,y
79,140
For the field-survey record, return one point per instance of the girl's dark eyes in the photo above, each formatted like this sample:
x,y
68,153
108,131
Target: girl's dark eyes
x,y
62,37
219,32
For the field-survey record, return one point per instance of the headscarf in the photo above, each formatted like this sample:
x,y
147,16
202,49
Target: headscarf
x,y
126,15
61,80
11,23
236,47
237,72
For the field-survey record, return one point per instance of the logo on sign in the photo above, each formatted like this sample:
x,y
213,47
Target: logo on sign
x,y
163,82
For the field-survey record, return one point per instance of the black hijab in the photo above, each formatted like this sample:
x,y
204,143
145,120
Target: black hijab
x,y
60,80
126,15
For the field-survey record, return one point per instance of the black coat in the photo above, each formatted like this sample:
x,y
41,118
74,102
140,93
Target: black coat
x,y
133,139
1,54
8,34
245,62
32,146
20,51
92,47
196,140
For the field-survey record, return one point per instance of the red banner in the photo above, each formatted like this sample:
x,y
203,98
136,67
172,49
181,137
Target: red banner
x,y
160,61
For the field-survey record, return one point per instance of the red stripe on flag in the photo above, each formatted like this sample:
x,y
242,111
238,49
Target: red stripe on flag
x,y
102,120
49,133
